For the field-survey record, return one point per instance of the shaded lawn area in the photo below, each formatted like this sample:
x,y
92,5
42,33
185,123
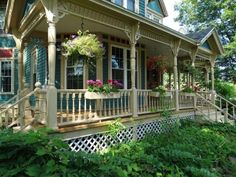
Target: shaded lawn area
x,y
190,149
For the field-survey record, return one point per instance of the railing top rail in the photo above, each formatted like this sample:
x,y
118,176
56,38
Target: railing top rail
x,y
221,97
16,103
82,90
209,102
8,101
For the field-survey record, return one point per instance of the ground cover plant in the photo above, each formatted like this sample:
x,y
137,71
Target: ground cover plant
x,y
192,149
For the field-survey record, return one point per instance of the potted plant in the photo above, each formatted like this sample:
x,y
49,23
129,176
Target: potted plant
x,y
187,91
160,91
84,44
98,90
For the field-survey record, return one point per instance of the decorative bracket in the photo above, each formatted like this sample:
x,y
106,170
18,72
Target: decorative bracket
x,y
175,46
133,33
193,55
53,13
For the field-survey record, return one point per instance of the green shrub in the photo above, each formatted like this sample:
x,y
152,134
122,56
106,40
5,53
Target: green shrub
x,y
194,149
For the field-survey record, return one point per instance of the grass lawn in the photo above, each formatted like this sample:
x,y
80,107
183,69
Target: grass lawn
x,y
192,149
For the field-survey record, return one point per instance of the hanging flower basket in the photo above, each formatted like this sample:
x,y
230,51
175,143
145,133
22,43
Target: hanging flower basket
x,y
84,44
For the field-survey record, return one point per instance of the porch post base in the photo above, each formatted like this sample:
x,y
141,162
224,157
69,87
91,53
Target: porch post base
x,y
134,105
52,107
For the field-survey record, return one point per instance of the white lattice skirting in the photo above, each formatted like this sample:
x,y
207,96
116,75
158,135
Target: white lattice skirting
x,y
101,141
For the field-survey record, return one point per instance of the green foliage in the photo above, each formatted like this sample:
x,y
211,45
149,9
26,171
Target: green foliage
x,y
84,44
187,90
161,89
196,15
194,149
115,127
228,90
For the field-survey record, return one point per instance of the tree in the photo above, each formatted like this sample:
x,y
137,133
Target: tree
x,y
200,14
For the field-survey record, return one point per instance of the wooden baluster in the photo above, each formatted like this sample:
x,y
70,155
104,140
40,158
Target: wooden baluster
x,y
109,107
128,102
101,108
67,105
105,107
79,113
118,106
61,107
90,110
227,112
73,107
121,103
113,107
125,103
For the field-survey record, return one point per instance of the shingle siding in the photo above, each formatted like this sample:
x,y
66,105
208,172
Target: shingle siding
x,y
142,7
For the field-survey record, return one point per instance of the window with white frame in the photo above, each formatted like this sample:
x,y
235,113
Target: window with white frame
x,y
117,63
121,65
6,76
74,73
128,4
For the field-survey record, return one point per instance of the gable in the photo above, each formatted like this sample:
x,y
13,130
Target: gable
x,y
206,45
155,5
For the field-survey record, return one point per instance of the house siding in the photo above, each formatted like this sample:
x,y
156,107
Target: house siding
x,y
7,41
142,7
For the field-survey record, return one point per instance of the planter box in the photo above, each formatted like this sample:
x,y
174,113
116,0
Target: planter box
x,y
95,95
187,94
157,94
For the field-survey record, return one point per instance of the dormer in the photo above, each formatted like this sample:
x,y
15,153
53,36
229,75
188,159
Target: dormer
x,y
155,10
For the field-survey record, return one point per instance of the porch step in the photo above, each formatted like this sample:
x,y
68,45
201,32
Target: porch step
x,y
212,116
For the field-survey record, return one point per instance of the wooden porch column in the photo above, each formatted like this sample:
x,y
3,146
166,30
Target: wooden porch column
x,y
170,80
193,56
175,50
133,35
52,18
212,76
207,76
213,93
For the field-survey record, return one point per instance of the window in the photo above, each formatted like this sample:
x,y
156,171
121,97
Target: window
x,y
3,4
74,73
6,76
119,2
117,63
121,68
130,5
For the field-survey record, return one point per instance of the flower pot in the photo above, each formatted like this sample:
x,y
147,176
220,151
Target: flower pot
x,y
96,95
157,94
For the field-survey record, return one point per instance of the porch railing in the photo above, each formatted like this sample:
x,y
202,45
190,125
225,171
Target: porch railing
x,y
32,107
149,103
74,108
186,100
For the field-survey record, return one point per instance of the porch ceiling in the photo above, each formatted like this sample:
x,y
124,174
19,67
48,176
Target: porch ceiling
x,y
71,24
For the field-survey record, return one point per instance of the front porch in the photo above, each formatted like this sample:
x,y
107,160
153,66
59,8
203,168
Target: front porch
x,y
129,41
